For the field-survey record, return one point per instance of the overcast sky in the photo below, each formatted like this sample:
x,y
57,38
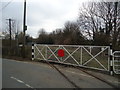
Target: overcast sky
x,y
47,14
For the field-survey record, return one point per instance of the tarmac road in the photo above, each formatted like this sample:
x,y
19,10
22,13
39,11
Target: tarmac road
x,y
19,74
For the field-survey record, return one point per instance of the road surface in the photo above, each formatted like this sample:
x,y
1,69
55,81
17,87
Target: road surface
x,y
19,74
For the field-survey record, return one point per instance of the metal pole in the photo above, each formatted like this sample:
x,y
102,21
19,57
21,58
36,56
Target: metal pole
x,y
16,38
10,31
111,60
9,21
24,24
32,51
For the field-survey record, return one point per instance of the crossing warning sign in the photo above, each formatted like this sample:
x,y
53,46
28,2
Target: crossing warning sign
x,y
61,53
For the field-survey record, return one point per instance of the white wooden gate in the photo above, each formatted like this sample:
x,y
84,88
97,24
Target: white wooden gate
x,y
95,57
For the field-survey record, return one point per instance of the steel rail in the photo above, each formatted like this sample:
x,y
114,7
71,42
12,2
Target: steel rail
x,y
71,82
99,78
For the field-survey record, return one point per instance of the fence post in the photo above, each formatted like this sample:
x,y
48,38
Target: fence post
x,y
111,60
32,51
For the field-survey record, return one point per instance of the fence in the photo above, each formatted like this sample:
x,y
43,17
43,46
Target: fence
x,y
95,57
16,51
116,62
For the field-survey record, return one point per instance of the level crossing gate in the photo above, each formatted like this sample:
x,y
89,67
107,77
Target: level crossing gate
x,y
94,57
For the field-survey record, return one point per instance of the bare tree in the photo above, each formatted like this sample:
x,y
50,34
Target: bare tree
x,y
97,17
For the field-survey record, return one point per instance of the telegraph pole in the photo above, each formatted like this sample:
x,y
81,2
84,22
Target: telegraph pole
x,y
16,38
24,28
10,20
10,31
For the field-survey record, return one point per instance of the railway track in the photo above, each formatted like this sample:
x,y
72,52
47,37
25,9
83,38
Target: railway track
x,y
73,83
99,78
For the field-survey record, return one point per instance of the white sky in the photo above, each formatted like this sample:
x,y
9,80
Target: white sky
x,y
47,14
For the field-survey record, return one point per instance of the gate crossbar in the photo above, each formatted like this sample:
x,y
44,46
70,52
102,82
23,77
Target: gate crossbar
x,y
39,51
53,54
94,57
70,55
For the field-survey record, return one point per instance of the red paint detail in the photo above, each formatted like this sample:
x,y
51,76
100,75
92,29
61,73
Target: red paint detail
x,y
61,53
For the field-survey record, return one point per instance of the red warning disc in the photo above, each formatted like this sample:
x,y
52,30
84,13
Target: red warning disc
x,y
61,53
